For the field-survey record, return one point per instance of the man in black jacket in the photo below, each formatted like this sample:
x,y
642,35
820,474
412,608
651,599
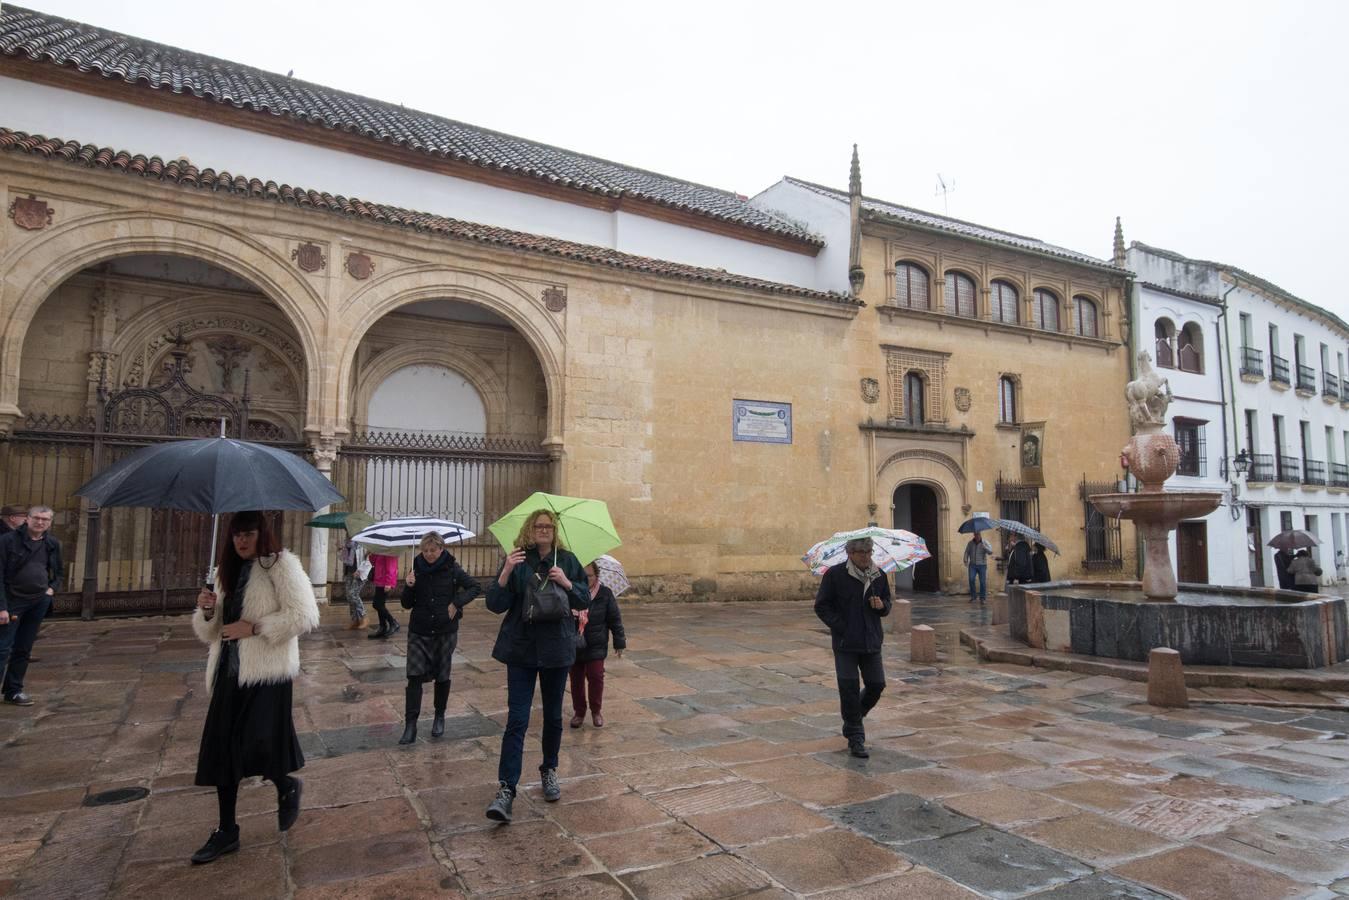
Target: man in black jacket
x,y
852,599
30,571
11,517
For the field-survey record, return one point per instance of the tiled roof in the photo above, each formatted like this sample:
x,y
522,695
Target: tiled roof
x,y
184,174
42,37
957,226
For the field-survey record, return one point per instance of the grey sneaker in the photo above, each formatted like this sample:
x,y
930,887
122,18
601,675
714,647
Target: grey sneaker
x,y
500,808
551,789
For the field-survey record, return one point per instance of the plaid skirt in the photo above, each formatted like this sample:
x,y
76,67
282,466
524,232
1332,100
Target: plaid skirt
x,y
429,655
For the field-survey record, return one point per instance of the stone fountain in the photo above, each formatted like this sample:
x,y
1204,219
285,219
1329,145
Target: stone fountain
x,y
1151,456
1207,625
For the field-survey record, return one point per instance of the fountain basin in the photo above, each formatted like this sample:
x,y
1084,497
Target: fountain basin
x,y
1208,625
1158,506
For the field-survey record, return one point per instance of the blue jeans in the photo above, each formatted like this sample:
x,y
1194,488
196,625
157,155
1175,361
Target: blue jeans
x,y
980,572
519,699
16,642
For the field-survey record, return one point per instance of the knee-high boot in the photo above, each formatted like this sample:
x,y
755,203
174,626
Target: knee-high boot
x,y
411,711
442,699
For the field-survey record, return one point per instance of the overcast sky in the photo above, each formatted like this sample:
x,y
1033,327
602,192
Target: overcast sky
x,y
1217,130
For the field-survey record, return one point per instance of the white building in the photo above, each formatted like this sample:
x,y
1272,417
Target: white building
x,y
1258,371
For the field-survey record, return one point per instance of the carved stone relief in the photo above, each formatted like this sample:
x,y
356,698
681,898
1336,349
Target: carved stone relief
x,y
963,399
871,390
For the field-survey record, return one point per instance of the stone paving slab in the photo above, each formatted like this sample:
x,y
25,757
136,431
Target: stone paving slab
x,y
721,772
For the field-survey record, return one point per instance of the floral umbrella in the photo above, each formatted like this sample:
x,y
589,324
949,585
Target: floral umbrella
x,y
612,575
892,549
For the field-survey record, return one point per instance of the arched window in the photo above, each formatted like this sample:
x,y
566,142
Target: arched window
x,y
1007,399
1004,303
1163,334
911,287
1044,310
960,295
913,398
1190,353
1087,322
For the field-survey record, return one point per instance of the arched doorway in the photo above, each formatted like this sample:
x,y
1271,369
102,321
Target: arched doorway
x,y
918,510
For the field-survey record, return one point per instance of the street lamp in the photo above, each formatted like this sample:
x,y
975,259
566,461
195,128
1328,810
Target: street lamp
x,y
1242,462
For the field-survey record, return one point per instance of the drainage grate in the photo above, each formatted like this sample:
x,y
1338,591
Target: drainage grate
x,y
117,795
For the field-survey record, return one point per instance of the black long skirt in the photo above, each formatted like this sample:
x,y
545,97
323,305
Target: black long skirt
x,y
249,730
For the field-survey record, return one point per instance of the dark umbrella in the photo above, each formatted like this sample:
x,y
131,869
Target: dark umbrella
x,y
978,523
1294,539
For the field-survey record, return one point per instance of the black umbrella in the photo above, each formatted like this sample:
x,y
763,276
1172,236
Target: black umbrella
x,y
978,523
1293,539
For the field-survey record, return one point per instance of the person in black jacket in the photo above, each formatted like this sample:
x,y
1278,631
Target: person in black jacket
x,y
541,651
30,572
852,599
437,592
1019,568
11,517
602,618
1039,565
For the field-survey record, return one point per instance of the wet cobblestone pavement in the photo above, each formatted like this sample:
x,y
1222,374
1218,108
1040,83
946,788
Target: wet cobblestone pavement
x,y
720,772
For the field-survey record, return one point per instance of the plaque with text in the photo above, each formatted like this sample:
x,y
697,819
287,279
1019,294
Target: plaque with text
x,y
761,421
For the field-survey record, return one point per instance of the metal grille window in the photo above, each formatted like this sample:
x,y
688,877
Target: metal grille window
x,y
1190,440
1104,545
1020,502
911,287
1045,310
1252,362
1087,319
960,295
930,367
1278,369
1004,303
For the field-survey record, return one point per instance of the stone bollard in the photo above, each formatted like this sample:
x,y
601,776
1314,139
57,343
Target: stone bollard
x,y
922,644
901,617
998,609
1166,679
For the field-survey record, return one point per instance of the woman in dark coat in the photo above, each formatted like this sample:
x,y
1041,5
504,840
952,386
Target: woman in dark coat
x,y
602,618
1019,569
1039,565
540,652
437,592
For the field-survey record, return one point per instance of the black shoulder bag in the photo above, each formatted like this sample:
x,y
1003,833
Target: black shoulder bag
x,y
545,601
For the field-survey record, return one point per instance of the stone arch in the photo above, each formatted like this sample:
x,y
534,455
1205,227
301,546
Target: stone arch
x,y
945,477
540,329
35,268
476,372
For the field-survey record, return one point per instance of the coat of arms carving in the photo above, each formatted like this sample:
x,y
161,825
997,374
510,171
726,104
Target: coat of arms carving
x,y
963,400
555,298
30,213
309,257
360,266
871,390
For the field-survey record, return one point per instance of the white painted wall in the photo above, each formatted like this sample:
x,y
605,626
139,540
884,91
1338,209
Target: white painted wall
x,y
825,216
54,112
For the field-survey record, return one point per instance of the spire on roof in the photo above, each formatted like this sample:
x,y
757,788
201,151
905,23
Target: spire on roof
x,y
856,276
1118,258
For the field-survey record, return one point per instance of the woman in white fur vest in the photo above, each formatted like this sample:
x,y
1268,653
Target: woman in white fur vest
x,y
262,603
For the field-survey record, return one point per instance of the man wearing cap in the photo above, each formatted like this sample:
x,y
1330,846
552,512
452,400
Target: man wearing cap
x,y
11,517
30,571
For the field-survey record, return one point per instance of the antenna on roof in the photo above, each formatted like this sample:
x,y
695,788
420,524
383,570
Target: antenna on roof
x,y
290,73
944,189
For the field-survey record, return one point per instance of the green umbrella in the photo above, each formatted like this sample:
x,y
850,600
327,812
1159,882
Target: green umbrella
x,y
583,526
351,521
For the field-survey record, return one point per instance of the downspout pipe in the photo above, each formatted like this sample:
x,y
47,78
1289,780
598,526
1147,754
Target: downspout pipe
x,y
1230,387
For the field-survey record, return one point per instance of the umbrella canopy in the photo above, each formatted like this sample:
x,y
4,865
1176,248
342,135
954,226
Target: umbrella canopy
x,y
892,549
1027,532
213,475
583,525
978,523
1295,539
351,521
612,575
409,531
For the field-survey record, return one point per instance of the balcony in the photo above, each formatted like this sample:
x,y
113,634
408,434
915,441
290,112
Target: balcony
x,y
1278,371
1252,364
1339,475
1262,469
1313,472
1330,387
1290,470
1306,378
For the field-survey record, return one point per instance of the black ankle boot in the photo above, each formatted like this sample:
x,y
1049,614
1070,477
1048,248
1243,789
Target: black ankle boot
x,y
409,732
378,633
217,845
288,804
438,724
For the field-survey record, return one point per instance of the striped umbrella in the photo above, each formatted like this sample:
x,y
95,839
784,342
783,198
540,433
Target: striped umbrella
x,y
409,531
1027,532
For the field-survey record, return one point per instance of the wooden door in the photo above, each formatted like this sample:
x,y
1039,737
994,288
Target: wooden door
x,y
1192,552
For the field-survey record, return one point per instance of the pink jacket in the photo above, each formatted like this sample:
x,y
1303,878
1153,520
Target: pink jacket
x,y
385,574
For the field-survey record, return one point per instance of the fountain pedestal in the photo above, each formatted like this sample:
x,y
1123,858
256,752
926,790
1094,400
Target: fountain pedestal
x,y
1155,515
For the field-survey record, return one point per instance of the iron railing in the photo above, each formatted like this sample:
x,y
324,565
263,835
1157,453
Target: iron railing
x,y
1313,471
1330,386
1190,441
1306,378
1339,475
1290,470
1278,370
1252,362
1262,468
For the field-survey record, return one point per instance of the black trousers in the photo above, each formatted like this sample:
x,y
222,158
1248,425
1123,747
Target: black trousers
x,y
380,603
856,696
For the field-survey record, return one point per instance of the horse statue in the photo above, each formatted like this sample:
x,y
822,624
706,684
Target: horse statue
x,y
1149,394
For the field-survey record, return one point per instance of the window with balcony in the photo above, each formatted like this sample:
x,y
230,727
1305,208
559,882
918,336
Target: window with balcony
x,y
960,296
911,287
1252,362
1004,303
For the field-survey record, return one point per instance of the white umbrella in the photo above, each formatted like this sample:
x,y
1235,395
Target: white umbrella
x,y
409,531
612,575
892,549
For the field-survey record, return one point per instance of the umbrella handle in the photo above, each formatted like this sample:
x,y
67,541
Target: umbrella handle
x,y
211,567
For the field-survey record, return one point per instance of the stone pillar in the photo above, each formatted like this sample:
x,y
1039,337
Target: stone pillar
x,y
325,454
1166,679
901,617
998,609
1159,576
922,644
